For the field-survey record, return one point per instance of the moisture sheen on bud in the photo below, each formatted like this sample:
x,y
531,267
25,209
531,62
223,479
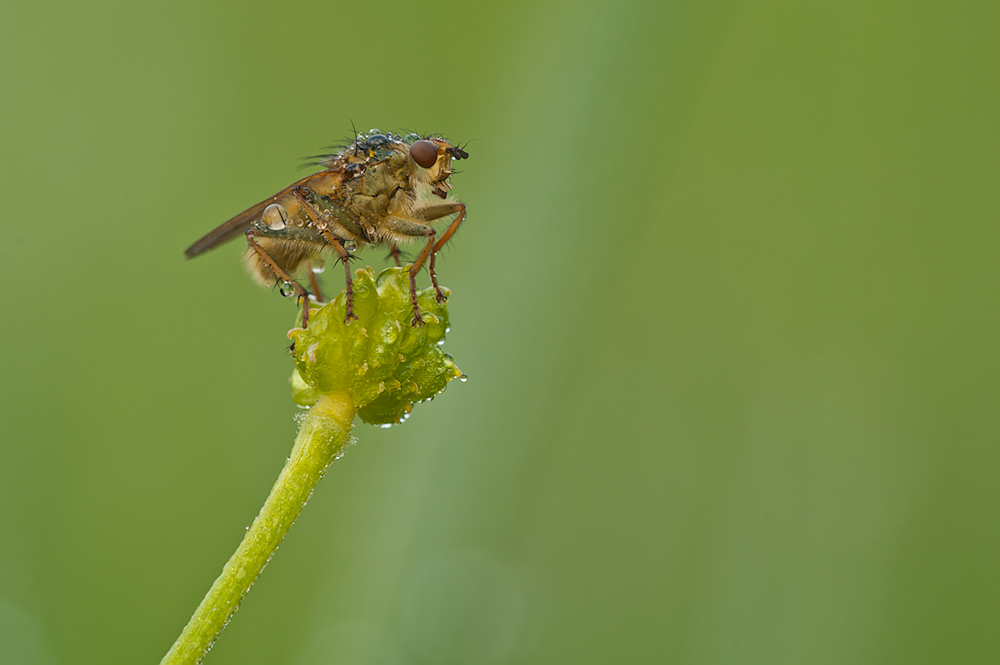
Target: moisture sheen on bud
x,y
385,364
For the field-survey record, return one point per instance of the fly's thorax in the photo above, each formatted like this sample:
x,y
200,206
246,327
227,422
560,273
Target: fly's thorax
x,y
401,202
381,177
367,197
371,210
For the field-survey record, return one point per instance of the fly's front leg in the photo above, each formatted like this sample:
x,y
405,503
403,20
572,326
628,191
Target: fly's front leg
x,y
431,213
320,222
416,229
273,266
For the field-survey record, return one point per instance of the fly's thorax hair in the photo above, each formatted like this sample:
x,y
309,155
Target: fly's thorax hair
x,y
288,254
367,149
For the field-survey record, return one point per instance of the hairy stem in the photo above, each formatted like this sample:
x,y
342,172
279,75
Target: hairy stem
x,y
322,435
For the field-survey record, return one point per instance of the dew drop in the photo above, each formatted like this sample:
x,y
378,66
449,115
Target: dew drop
x,y
287,289
351,246
274,217
390,332
463,378
386,425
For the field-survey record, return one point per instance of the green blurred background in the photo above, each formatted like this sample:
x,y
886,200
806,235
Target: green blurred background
x,y
727,296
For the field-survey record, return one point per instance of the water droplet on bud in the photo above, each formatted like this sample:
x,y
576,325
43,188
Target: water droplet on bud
x,y
463,378
275,216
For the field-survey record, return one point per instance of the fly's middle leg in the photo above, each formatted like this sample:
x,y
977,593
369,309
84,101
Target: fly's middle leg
x,y
395,254
320,222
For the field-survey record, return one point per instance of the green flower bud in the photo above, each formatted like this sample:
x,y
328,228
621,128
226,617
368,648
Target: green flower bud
x,y
384,363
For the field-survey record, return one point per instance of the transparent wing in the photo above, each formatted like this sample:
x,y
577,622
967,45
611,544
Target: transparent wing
x,y
239,224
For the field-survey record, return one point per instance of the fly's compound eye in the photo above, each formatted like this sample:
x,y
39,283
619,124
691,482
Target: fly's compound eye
x,y
424,153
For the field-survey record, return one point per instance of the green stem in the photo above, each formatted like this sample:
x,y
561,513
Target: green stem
x,y
323,434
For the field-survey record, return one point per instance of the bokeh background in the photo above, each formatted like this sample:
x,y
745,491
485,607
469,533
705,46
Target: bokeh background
x,y
727,296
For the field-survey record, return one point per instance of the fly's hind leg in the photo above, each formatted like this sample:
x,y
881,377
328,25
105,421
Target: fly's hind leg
x,y
278,272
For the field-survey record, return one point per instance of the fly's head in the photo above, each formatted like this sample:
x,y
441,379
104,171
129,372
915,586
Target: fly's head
x,y
415,161
432,157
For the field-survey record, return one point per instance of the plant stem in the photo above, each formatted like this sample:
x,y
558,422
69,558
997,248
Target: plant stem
x,y
322,435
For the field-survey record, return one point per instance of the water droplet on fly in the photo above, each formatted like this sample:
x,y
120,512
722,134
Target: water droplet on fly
x,y
411,138
350,246
374,130
287,289
318,268
275,216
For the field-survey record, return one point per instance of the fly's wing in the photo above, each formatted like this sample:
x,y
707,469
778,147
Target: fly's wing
x,y
239,224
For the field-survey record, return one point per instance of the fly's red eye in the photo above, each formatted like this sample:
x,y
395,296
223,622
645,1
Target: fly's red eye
x,y
424,153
